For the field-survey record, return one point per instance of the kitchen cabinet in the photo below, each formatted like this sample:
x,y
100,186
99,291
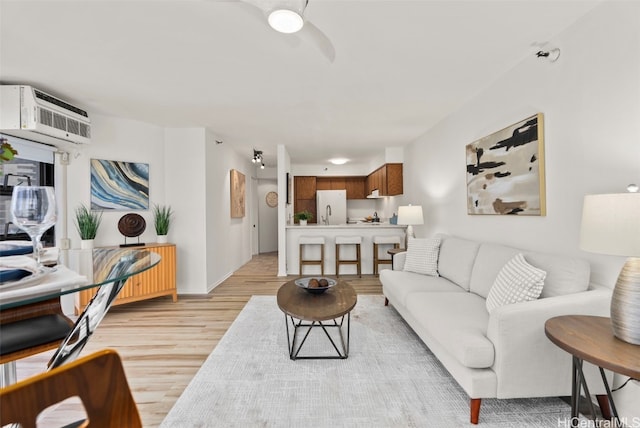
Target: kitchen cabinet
x,y
355,186
305,195
387,180
394,179
158,281
305,187
323,183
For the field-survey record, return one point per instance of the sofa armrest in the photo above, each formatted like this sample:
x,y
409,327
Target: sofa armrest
x,y
398,260
527,363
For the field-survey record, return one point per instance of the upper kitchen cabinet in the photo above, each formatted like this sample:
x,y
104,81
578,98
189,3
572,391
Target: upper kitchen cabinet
x,y
305,187
394,179
355,186
387,180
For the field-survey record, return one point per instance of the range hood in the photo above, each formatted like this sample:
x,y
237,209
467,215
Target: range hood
x,y
375,194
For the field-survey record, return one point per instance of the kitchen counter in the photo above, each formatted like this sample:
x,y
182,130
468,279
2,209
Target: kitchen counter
x,y
347,226
366,230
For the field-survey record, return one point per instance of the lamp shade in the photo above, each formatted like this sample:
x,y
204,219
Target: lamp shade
x,y
611,224
410,215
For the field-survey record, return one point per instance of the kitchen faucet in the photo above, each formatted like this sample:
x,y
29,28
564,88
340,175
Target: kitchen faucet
x,y
327,213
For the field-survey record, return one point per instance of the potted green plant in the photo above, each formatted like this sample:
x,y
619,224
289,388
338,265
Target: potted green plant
x,y
162,220
303,217
87,224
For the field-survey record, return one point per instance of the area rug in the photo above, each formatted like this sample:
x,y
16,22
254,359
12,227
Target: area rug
x,y
390,379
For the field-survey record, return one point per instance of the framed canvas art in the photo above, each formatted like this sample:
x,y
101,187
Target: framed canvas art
x,y
117,185
505,171
237,194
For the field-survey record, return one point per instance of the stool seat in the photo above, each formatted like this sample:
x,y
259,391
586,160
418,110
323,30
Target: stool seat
x,y
383,240
349,240
311,240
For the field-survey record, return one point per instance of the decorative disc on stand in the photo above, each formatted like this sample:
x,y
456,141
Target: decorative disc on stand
x,y
132,226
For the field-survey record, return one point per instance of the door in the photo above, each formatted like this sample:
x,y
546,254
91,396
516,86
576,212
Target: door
x,y
268,216
255,198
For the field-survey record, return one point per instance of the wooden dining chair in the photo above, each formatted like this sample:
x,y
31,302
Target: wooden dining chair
x,y
97,379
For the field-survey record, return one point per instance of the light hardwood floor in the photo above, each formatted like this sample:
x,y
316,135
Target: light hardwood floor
x,y
163,344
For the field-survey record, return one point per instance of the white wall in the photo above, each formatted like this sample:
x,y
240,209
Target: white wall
x,y
228,240
188,171
591,101
122,140
285,211
330,170
185,186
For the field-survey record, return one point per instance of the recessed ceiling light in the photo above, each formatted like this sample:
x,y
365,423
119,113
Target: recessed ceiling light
x,y
285,21
339,161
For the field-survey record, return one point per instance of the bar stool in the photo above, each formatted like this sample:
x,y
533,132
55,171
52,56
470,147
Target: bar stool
x,y
383,240
311,240
349,240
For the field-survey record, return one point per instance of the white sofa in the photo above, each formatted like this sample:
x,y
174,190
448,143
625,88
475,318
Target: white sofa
x,y
505,353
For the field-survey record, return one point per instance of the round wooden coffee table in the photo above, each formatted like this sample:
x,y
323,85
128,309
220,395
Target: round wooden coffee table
x,y
306,311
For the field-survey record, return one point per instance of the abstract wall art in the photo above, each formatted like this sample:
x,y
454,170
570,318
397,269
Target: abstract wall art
x,y
117,185
505,171
237,194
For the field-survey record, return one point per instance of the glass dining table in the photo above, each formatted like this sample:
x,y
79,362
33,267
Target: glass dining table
x,y
106,269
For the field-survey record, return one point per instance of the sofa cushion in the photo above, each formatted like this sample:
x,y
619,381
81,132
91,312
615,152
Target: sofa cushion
x,y
517,281
489,261
458,322
398,284
455,261
565,275
422,256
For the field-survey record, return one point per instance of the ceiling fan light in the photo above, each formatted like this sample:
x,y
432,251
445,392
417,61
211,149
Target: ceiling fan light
x,y
338,161
285,21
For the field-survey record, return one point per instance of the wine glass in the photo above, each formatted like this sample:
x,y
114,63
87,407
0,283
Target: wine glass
x,y
33,209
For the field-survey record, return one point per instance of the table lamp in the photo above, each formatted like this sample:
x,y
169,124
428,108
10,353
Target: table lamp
x,y
410,215
611,225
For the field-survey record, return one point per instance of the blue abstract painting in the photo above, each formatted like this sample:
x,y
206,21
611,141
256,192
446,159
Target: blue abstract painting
x,y
117,185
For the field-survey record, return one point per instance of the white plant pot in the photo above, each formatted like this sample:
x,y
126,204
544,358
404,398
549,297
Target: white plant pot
x,y
86,244
303,222
162,239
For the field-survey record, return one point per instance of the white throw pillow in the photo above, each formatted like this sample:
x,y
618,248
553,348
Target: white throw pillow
x,y
517,281
422,256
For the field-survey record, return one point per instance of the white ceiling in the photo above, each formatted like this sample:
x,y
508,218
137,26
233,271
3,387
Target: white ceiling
x,y
400,66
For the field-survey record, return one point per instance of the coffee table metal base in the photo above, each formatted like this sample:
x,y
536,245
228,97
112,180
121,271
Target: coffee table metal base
x,y
295,343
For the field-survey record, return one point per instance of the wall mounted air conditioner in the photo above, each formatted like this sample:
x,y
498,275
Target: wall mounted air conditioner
x,y
29,113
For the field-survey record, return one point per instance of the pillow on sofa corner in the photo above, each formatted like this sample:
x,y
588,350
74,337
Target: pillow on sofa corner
x,y
422,256
517,281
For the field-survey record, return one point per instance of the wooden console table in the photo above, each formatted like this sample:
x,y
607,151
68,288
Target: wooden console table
x,y
591,339
157,281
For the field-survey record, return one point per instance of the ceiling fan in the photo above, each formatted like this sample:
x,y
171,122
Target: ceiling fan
x,y
288,17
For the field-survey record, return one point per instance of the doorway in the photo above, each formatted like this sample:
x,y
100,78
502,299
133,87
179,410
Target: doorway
x,y
264,216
